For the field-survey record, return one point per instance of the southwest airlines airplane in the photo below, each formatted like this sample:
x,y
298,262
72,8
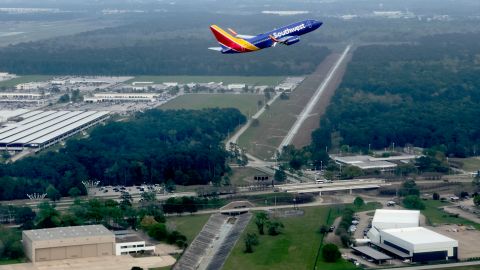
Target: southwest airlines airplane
x,y
286,35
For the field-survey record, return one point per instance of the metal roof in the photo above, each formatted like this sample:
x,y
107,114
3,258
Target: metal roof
x,y
62,233
67,120
68,128
372,253
396,217
40,124
28,124
419,235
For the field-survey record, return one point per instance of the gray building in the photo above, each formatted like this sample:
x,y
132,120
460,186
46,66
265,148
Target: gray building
x,y
68,243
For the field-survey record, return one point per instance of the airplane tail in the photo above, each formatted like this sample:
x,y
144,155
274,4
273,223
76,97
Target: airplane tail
x,y
222,36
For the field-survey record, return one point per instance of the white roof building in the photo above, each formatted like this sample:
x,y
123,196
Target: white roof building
x,y
420,243
366,162
391,219
236,86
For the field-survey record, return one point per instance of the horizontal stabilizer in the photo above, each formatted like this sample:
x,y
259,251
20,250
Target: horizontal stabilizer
x,y
218,49
245,36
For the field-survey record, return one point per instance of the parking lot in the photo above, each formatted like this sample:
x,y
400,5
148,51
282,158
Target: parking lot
x,y
466,237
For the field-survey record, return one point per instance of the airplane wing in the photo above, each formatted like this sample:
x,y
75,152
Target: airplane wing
x,y
245,36
239,35
287,40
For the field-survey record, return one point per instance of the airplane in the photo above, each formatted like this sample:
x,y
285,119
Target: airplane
x,y
287,35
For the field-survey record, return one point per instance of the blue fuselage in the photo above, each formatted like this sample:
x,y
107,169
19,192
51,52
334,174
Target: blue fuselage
x,y
297,29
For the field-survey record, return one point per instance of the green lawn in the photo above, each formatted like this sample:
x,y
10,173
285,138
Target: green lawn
x,y
25,79
188,225
295,248
246,103
5,262
471,164
252,80
435,215
244,176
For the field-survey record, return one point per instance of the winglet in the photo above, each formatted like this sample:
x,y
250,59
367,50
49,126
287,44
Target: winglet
x,y
232,31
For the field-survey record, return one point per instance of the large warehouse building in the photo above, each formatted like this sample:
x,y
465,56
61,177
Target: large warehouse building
x,y
40,129
398,233
420,244
68,242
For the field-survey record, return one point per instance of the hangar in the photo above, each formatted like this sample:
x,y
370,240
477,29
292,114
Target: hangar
x,y
421,244
68,243
398,233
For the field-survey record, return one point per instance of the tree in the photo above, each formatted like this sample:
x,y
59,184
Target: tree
x,y
413,202
275,227
25,216
47,217
250,240
323,229
74,192
280,175
358,202
331,253
52,193
261,220
125,200
136,268
158,231
409,187
436,196
64,98
255,122
476,200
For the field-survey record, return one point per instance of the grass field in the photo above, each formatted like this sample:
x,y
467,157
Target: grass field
x,y
243,176
188,225
246,103
262,141
252,80
295,248
25,79
471,164
5,262
435,215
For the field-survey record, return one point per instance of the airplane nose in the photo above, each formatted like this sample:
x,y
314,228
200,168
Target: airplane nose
x,y
316,24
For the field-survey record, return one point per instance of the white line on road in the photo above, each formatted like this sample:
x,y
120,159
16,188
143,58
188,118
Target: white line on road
x,y
311,104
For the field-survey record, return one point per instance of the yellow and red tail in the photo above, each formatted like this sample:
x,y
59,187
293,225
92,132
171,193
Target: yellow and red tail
x,y
229,41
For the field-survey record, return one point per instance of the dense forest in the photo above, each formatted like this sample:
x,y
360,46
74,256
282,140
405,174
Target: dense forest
x,y
172,44
183,147
425,94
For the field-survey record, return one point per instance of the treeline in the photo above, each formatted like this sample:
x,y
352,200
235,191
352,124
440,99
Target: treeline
x,y
155,47
182,147
425,95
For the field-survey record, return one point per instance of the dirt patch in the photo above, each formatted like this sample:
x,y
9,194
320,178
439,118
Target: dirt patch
x,y
303,137
467,239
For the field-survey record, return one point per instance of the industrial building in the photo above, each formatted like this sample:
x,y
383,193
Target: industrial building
x,y
40,129
122,97
38,98
68,243
129,242
398,233
420,244
9,114
365,163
